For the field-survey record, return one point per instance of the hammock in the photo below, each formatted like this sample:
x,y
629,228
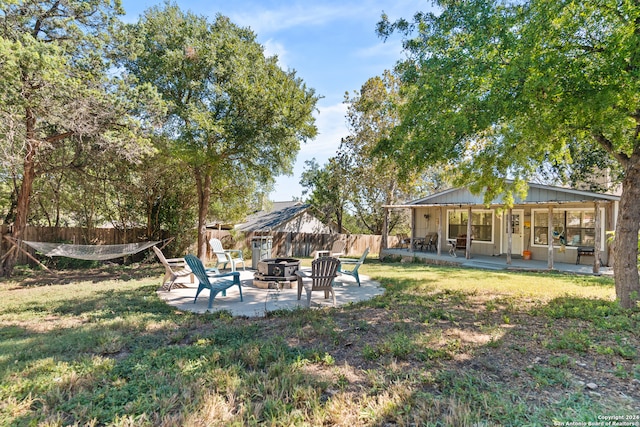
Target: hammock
x,y
89,252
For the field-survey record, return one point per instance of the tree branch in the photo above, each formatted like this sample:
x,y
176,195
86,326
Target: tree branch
x,y
608,146
636,117
38,24
58,137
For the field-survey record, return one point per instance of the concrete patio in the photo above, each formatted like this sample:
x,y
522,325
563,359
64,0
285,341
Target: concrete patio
x,y
258,302
495,262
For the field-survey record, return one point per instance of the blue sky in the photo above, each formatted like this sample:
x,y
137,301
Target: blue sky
x,y
331,44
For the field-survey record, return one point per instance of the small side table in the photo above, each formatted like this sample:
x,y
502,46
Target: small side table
x,y
321,254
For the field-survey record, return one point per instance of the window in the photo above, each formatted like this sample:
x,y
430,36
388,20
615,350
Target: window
x,y
481,225
571,227
457,224
541,226
581,228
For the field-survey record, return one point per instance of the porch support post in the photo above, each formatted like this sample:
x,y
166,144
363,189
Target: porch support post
x,y
413,229
509,235
384,240
467,252
597,242
440,216
550,239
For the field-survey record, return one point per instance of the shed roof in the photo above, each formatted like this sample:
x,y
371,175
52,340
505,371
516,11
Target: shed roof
x,y
266,221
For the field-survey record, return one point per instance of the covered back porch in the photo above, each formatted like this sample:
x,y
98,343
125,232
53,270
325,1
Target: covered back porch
x,y
553,228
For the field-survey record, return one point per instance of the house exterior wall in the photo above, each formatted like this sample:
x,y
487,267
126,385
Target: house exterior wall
x,y
568,253
425,221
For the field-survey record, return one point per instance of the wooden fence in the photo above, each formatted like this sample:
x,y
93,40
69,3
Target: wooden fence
x,y
283,243
73,235
305,244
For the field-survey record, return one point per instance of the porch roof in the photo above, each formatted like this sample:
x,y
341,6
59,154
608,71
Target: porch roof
x,y
537,194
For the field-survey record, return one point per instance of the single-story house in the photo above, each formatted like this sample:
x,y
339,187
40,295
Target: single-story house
x,y
552,223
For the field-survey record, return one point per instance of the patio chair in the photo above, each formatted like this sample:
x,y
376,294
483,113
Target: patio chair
x,y
354,265
174,268
459,242
323,271
423,243
214,282
226,256
432,245
403,240
336,250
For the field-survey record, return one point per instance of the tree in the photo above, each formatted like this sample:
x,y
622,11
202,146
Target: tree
x,y
235,119
327,190
164,189
500,88
54,89
355,184
373,178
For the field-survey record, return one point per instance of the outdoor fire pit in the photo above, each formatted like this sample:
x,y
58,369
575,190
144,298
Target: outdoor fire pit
x,y
274,273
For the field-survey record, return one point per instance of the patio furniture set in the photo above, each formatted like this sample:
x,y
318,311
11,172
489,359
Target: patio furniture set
x,y
429,243
324,269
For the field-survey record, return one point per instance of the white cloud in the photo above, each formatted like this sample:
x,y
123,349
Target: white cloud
x,y
263,20
274,20
389,48
332,127
272,47
331,123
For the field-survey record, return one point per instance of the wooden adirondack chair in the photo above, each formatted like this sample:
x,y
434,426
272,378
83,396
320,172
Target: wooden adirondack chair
x,y
336,250
323,271
226,256
174,268
214,282
354,265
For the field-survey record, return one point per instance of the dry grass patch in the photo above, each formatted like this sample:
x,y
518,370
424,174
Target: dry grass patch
x,y
441,347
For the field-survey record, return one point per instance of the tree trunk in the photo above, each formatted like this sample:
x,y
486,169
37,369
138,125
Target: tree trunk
x,y
24,194
339,212
625,264
22,212
203,181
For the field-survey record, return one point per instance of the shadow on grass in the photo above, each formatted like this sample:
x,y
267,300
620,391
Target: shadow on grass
x,y
418,355
106,322
107,272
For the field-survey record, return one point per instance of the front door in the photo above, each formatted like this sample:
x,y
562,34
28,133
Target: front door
x,y
516,230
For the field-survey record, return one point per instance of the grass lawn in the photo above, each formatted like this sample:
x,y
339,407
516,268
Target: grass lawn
x,y
442,347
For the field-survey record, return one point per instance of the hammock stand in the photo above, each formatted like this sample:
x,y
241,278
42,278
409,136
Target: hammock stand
x,y
85,252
